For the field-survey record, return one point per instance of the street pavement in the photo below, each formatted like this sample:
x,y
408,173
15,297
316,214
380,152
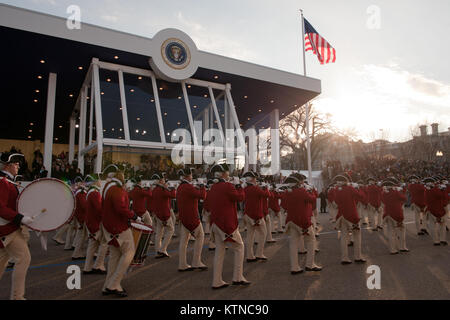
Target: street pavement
x,y
423,273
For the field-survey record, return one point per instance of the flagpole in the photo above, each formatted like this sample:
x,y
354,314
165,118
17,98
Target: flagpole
x,y
308,140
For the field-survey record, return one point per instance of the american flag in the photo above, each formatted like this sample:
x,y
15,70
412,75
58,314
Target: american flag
x,y
318,45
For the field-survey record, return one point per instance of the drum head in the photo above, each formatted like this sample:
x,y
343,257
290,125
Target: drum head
x,y
49,200
142,227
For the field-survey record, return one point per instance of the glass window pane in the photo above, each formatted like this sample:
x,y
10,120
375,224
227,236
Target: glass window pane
x,y
111,106
141,108
173,108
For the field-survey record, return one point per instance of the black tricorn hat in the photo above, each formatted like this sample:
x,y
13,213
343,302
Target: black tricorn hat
x,y
298,176
340,178
388,183
250,174
429,179
8,157
291,179
371,179
412,177
220,168
185,172
157,176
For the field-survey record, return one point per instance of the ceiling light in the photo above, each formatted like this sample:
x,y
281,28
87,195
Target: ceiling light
x,y
245,97
138,119
179,98
36,90
60,127
102,93
30,130
152,100
168,134
56,139
140,78
160,89
216,77
120,129
29,137
35,100
271,101
39,77
206,96
116,57
248,118
42,61
132,90
80,68
195,107
71,95
31,123
189,86
112,129
108,80
77,126
259,110
165,113
137,130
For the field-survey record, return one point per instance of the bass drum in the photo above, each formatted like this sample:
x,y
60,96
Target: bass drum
x,y
50,201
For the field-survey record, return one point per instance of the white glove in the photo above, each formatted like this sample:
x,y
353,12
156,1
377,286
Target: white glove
x,y
243,185
139,220
355,185
27,220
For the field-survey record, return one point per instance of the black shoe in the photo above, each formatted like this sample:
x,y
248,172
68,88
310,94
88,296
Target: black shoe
x,y
70,249
360,260
160,255
302,252
211,249
121,294
89,272
201,268
437,244
187,269
404,250
396,252
78,258
10,265
280,231
297,272
99,271
380,227
350,244
222,286
374,229
317,250
424,231
345,262
271,241
420,233
313,269
252,260
444,243
261,258
241,283
57,242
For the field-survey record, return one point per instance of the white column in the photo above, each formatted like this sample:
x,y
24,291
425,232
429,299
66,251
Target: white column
x,y
98,116
124,106
82,131
49,123
72,140
275,141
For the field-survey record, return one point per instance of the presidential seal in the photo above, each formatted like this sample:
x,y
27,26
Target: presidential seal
x,y
175,53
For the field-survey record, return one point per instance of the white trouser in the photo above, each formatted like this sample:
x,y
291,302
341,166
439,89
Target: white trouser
x,y
59,236
260,230
396,233
380,216
174,223
372,213
70,236
198,245
16,248
119,260
276,220
438,228
419,217
206,219
269,227
80,238
346,227
237,246
163,229
212,240
283,216
147,219
95,243
295,235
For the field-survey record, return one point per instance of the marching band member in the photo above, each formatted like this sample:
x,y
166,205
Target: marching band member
x,y
140,197
347,219
13,244
80,214
274,210
283,209
436,199
417,192
162,196
223,197
254,217
187,199
95,234
331,201
373,204
298,223
116,231
393,199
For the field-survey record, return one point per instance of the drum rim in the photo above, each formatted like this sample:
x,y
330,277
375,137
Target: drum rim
x,y
52,179
142,224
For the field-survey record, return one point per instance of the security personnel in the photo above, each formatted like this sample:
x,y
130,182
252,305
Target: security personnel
x,y
95,233
115,223
223,198
299,223
374,204
140,197
162,196
417,192
254,217
347,219
80,214
436,199
393,199
13,244
188,197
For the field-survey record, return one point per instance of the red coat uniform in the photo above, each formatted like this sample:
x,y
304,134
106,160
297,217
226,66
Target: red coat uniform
x,y
299,207
283,202
9,218
393,202
80,208
139,196
93,210
115,213
254,197
187,200
274,201
314,204
364,192
223,197
161,202
331,195
417,192
206,205
346,198
265,202
374,196
436,200
148,200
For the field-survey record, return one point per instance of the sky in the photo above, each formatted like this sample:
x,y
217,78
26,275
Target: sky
x,y
391,72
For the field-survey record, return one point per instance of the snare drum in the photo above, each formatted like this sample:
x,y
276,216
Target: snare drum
x,y
141,236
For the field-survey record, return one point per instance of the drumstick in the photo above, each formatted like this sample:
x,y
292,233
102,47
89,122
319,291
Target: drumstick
x,y
38,214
